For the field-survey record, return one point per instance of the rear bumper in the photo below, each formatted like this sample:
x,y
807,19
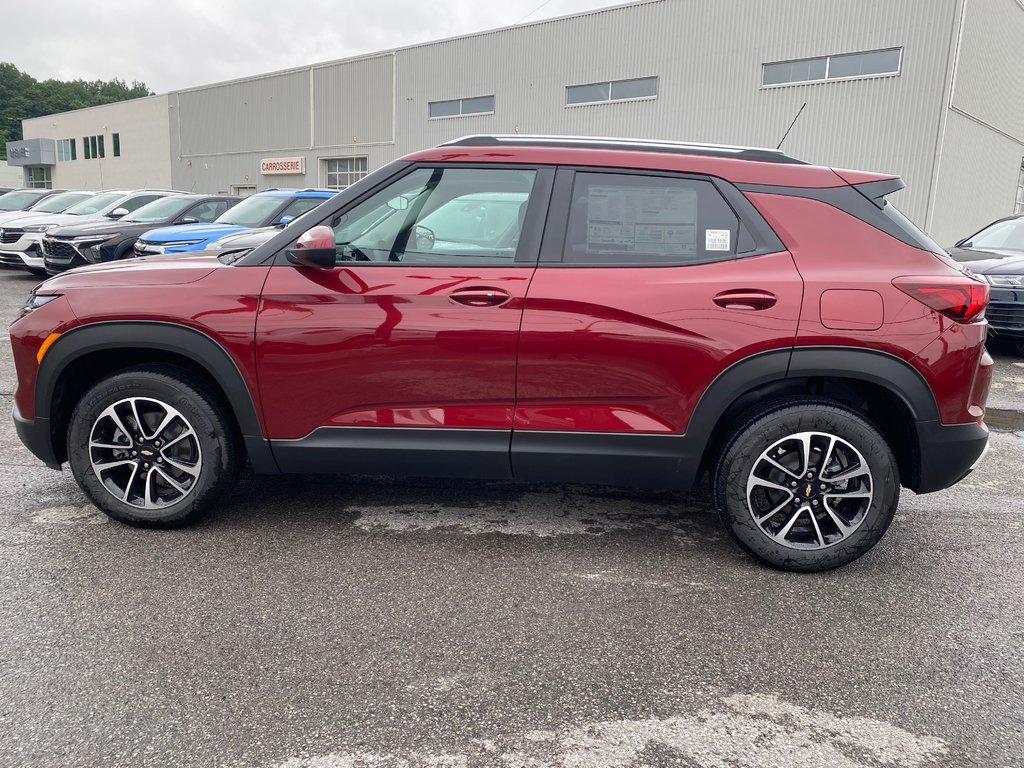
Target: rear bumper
x,y
949,452
35,435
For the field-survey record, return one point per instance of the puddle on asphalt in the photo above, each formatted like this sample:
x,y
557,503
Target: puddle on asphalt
x,y
536,514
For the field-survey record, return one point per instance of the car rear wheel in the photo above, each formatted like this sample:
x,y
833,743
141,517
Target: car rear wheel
x,y
153,447
807,486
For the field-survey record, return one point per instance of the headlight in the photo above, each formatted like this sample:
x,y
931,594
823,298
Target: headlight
x,y
35,301
181,243
40,228
1005,281
95,238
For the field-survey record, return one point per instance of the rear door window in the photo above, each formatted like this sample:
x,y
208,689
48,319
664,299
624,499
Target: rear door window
x,y
634,219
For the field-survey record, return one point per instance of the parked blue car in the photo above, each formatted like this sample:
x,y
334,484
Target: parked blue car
x,y
271,207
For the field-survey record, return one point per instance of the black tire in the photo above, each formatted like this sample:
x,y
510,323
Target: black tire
x,y
213,441
827,544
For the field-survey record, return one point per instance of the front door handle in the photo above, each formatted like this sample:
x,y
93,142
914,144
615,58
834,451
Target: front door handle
x,y
480,296
746,298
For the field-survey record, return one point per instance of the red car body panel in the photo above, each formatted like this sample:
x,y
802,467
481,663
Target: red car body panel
x,y
197,292
945,352
633,349
387,346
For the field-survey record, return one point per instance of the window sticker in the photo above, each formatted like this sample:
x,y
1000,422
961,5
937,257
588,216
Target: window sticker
x,y
716,240
647,220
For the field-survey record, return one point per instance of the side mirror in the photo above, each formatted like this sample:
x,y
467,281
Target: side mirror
x,y
315,248
284,221
189,220
399,203
117,213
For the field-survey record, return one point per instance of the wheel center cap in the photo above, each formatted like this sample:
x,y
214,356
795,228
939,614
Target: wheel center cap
x,y
808,491
147,452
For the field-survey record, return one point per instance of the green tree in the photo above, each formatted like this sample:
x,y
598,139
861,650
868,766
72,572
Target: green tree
x,y
22,97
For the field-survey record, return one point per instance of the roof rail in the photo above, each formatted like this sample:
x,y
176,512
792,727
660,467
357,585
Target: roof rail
x,y
759,154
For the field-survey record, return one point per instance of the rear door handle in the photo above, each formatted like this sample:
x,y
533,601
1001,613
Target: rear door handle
x,y
480,296
746,298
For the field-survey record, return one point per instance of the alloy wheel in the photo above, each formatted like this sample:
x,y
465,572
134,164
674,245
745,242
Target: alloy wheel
x,y
145,453
809,490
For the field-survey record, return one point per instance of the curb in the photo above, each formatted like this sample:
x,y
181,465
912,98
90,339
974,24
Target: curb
x,y
1004,420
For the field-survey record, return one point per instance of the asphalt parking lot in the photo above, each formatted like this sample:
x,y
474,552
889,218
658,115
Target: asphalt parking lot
x,y
328,623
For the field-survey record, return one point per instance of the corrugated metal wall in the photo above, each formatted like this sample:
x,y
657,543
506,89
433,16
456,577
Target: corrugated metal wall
x,y
983,145
266,114
354,102
707,57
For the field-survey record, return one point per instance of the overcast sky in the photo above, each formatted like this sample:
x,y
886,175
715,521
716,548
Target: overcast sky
x,y
171,44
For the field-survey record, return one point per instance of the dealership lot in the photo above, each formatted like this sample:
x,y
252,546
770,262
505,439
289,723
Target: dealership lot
x,y
325,623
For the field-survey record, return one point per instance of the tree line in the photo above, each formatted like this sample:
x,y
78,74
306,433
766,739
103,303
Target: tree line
x,y
22,97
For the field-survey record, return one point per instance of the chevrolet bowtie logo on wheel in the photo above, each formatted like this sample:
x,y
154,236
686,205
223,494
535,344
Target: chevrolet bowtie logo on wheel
x,y
808,490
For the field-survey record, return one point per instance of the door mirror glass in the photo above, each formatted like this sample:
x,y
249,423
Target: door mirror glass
x,y
399,203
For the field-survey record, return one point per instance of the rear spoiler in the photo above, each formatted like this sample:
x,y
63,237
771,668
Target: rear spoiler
x,y
873,186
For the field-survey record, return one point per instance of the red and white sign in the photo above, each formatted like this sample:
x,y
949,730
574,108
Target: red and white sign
x,y
281,166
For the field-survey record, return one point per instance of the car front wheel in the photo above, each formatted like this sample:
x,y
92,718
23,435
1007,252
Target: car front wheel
x,y
153,447
807,486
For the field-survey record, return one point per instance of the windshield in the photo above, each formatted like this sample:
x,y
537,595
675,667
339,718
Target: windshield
x,y
58,203
1001,236
159,211
251,212
17,201
95,204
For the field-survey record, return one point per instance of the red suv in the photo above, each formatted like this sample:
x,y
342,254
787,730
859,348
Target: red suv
x,y
538,309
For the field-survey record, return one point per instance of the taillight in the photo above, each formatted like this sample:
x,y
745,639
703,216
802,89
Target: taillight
x,y
958,297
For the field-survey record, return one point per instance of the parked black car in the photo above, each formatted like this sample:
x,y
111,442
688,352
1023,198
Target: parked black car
x,y
996,253
94,242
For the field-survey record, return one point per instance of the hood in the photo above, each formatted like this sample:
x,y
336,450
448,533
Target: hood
x,y
152,270
103,227
990,262
60,219
190,232
247,238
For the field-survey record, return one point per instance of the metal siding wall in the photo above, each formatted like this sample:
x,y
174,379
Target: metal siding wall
x,y
354,102
707,56
266,114
990,71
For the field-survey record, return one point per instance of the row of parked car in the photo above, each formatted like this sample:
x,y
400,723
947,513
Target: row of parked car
x,y
50,231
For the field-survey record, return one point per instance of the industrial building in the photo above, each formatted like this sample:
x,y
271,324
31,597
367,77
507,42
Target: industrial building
x,y
927,89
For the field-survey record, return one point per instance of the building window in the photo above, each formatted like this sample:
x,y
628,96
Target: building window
x,y
1019,206
478,105
614,90
243,190
843,66
115,139
38,177
92,147
342,171
66,150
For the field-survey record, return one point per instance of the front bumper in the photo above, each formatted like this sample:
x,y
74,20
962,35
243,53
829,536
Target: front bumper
x,y
35,435
27,251
1005,312
949,452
